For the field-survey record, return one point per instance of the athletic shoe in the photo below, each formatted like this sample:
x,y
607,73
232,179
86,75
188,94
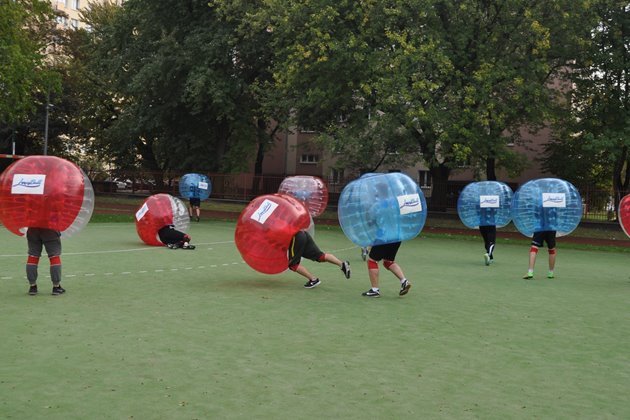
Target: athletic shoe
x,y
371,293
345,267
486,258
32,290
550,275
58,290
528,276
197,218
404,288
364,253
312,283
188,246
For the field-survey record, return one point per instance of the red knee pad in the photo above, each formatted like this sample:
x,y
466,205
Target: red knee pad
x,y
32,260
56,260
294,267
322,258
187,238
372,265
388,263
552,251
534,250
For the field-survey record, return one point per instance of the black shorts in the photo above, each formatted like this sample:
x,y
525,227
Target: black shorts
x,y
384,252
194,202
548,236
169,235
302,245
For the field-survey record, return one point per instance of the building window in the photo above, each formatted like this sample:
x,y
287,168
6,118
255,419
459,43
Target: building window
x,y
424,178
336,176
311,159
75,4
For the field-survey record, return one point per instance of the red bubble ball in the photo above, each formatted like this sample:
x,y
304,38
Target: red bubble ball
x,y
265,228
310,190
45,192
158,211
624,214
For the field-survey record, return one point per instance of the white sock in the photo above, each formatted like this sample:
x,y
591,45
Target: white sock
x,y
403,280
375,289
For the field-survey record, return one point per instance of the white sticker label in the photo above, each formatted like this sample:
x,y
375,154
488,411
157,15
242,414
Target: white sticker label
x,y
143,210
409,203
489,201
554,200
28,184
264,211
202,185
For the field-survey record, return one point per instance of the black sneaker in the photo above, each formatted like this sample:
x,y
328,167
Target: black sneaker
x,y
197,218
58,290
371,293
188,246
312,283
404,288
32,290
364,253
174,246
345,267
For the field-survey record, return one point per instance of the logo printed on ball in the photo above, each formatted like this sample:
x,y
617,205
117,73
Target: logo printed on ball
x,y
264,211
28,184
489,201
409,203
554,200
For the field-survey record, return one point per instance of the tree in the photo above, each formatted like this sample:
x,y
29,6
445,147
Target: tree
x,y
595,134
180,81
26,30
459,78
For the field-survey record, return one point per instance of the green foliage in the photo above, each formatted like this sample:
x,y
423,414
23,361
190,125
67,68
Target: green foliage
x,y
25,29
592,143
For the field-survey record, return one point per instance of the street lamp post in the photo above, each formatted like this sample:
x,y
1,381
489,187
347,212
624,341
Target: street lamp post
x,y
48,106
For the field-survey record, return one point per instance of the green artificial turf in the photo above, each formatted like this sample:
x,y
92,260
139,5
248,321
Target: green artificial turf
x,y
151,333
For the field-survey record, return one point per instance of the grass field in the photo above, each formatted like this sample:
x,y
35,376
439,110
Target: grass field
x,y
152,333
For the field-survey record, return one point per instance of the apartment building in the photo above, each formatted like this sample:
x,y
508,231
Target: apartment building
x,y
72,10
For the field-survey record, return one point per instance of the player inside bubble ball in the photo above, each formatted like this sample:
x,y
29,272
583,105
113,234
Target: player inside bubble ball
x,y
303,245
174,239
386,252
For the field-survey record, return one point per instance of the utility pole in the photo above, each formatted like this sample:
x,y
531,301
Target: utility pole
x,y
48,106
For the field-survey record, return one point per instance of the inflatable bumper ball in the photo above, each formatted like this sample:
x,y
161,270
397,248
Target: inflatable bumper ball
x,y
158,211
264,230
624,214
485,203
310,190
546,204
382,208
195,186
45,192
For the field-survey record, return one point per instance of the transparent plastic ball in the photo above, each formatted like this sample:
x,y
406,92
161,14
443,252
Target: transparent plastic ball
x,y
485,203
624,214
546,204
311,190
382,208
264,230
45,192
195,186
157,211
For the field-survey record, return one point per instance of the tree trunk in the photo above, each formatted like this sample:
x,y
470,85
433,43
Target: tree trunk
x,y
439,193
261,126
491,174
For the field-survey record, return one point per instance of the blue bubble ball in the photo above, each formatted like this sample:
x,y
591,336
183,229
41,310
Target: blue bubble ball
x,y
485,203
546,204
379,209
195,186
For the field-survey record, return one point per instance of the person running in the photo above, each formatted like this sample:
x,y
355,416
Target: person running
x,y
174,239
37,239
387,253
303,245
489,234
194,208
538,241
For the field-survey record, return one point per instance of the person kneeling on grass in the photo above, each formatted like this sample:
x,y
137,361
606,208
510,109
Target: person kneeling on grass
x,y
303,245
173,238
